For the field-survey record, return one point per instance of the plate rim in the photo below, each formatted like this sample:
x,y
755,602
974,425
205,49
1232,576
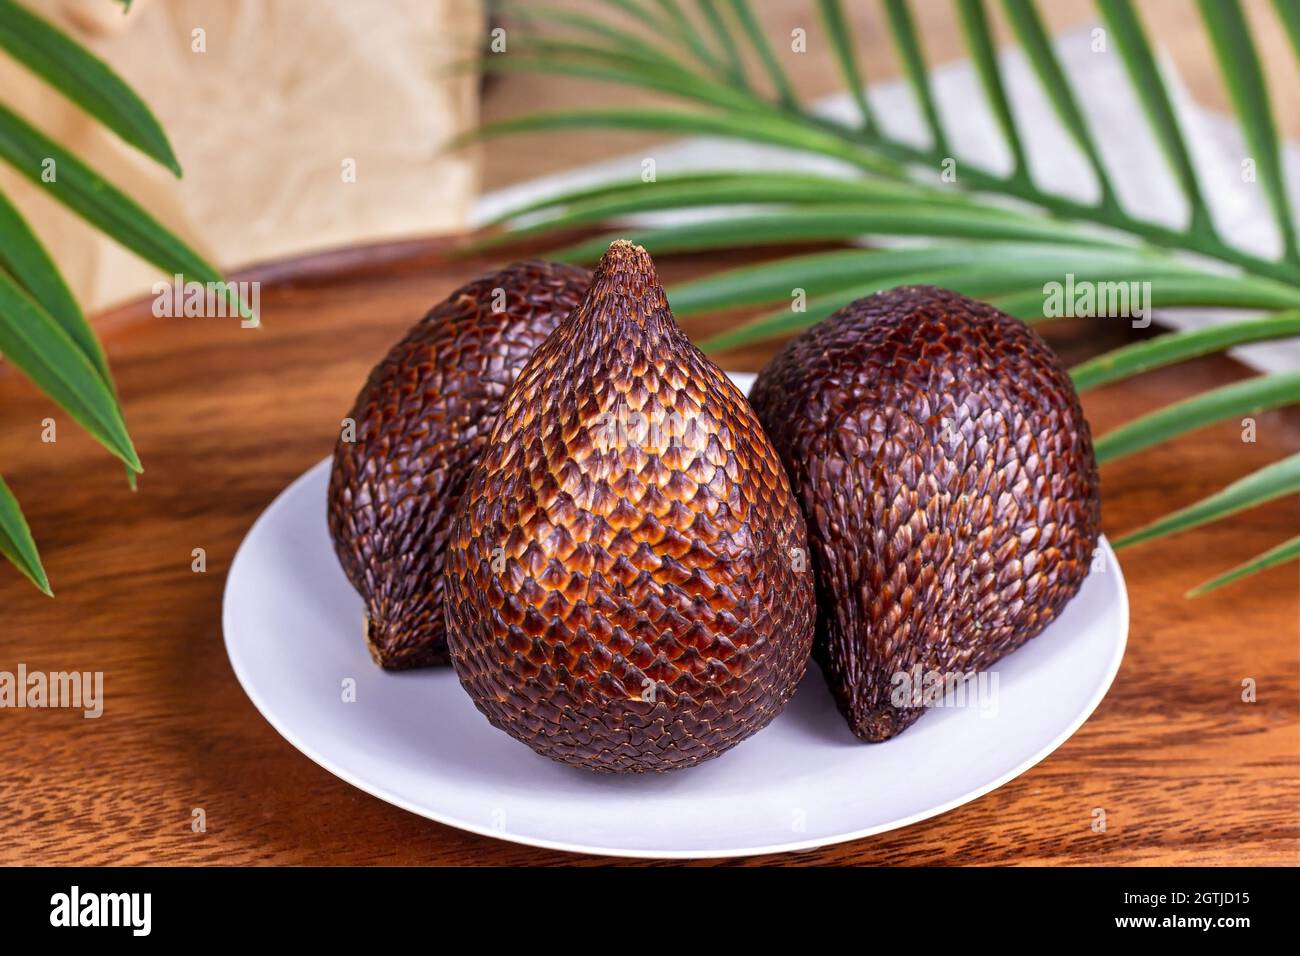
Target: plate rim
x,y
793,846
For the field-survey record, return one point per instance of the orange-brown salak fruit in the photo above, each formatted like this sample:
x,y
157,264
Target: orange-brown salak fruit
x,y
939,452
419,425
627,583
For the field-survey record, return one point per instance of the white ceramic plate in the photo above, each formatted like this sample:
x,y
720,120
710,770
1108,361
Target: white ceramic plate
x,y
293,633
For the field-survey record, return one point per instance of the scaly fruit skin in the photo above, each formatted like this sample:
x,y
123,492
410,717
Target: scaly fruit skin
x,y
940,455
627,581
422,420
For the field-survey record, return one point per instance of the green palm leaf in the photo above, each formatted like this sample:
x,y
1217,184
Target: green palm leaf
x,y
622,40
822,272
100,203
575,59
635,11
908,44
681,27
1029,29
843,221
1240,398
22,254
968,281
1175,347
1287,551
747,189
756,127
16,542
838,30
1230,37
726,42
1016,285
741,186
42,329
1147,82
758,40
83,78
1288,11
979,40
26,260
1168,291
1273,481
972,244
34,342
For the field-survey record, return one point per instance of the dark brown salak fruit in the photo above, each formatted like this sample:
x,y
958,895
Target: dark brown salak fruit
x,y
627,578
421,422
946,471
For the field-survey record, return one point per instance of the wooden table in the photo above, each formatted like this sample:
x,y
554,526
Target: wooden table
x,y
224,418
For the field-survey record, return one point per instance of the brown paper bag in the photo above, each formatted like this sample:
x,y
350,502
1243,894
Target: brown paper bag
x,y
300,125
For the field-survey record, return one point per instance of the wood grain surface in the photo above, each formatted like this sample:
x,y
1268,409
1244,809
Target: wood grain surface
x,y
224,418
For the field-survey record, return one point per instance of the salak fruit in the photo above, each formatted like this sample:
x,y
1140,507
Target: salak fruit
x,y
627,582
940,456
413,436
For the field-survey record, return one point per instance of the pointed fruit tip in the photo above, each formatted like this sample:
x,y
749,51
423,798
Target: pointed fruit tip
x,y
625,255
628,267
626,287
